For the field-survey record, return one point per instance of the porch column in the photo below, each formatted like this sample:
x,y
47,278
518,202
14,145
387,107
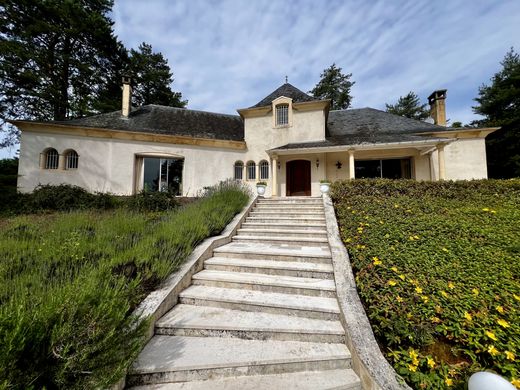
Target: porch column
x,y
432,166
442,167
257,172
274,167
351,167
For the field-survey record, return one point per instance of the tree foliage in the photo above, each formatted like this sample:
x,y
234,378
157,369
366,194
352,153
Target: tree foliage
x,y
409,106
334,85
61,60
499,103
152,79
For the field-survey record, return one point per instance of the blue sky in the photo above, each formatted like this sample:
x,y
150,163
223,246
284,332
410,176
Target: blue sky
x,y
230,54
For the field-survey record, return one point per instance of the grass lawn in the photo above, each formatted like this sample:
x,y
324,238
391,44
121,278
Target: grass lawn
x,y
69,282
437,267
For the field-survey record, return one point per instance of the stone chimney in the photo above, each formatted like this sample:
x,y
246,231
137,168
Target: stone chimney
x,y
127,96
438,107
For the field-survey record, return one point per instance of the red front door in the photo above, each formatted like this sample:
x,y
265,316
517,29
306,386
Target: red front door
x,y
299,178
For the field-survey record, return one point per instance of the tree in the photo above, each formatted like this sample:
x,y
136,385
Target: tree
x,y
152,79
499,103
54,56
334,85
409,106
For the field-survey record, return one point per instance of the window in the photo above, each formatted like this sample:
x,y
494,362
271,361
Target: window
x,y
239,169
282,114
71,159
264,170
251,170
163,174
51,159
389,169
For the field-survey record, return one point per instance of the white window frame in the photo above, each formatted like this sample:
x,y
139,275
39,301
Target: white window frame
x,y
264,170
71,159
51,161
238,170
251,170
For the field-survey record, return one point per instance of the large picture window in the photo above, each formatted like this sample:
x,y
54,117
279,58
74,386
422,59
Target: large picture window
x,y
163,174
398,168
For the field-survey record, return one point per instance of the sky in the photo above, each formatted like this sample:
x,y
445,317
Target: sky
x,y
230,54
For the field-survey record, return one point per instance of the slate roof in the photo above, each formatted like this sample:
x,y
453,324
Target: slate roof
x,y
286,90
369,126
169,121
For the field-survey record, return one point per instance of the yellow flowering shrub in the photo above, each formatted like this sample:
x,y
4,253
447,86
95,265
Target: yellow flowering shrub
x,y
443,296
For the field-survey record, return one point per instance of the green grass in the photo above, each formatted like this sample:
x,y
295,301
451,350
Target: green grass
x,y
437,266
69,282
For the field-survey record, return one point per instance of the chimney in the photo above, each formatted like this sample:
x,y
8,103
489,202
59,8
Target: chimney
x,y
438,107
127,96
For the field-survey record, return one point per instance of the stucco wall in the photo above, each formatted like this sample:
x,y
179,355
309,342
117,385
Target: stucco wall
x,y
466,159
108,165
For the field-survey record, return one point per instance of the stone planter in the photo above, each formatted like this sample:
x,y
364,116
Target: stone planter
x,y
260,189
324,188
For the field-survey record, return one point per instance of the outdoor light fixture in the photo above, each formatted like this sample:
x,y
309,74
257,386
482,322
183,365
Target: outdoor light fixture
x,y
339,164
317,163
279,165
486,380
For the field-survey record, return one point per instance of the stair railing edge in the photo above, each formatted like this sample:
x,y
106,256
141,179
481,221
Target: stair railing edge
x,y
368,361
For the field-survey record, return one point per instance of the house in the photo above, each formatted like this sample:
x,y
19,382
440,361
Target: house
x,y
289,140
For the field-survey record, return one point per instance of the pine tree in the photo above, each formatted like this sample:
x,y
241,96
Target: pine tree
x,y
499,103
334,85
152,79
409,106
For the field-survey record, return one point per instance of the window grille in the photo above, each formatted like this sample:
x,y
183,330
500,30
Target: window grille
x,y
51,159
239,169
264,170
71,160
251,170
282,114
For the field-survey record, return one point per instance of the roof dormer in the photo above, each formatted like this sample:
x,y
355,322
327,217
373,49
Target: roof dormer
x,y
282,112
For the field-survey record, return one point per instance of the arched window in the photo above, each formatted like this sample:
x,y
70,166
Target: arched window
x,y
71,159
239,169
51,159
264,170
282,114
251,170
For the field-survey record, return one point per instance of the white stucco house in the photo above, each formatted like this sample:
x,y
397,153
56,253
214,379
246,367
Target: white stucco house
x,y
289,140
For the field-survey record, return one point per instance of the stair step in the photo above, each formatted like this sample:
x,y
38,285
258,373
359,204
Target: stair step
x,y
203,321
181,359
286,220
286,233
274,252
296,207
287,213
305,380
291,200
285,226
271,267
262,282
307,241
266,302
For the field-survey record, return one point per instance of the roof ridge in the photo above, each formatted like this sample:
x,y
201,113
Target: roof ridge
x,y
191,110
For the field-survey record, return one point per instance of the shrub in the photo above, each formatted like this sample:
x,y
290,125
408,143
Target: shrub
x,y
70,281
436,266
152,201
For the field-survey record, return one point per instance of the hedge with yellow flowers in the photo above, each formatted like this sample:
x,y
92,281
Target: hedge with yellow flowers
x,y
437,266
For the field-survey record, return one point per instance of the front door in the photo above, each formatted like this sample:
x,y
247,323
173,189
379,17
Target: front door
x,y
299,178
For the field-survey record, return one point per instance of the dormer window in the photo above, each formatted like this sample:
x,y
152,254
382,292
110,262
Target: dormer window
x,y
282,115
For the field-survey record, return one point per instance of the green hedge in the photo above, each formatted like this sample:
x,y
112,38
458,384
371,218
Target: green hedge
x,y
437,266
69,282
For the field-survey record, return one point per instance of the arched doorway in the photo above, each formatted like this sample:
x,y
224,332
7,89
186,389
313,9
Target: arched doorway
x,y
298,178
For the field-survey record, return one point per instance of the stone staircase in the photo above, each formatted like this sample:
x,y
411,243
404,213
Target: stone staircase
x,y
262,314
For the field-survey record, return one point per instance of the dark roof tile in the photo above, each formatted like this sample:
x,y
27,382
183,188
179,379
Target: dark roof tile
x,y
286,90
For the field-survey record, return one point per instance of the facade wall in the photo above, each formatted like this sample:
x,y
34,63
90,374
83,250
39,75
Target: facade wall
x,y
466,159
108,165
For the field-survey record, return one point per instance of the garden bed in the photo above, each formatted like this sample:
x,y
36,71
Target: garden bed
x,y
70,280
437,266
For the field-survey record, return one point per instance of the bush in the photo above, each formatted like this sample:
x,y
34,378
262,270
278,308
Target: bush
x,y
152,201
436,266
69,282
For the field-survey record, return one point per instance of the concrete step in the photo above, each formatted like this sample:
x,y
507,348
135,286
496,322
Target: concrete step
x,y
262,282
261,232
271,267
285,226
287,213
181,359
261,301
307,241
295,207
291,199
285,220
305,380
274,252
203,321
